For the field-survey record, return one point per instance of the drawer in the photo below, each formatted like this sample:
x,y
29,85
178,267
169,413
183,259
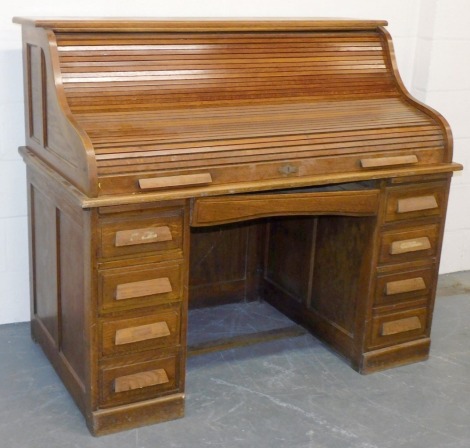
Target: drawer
x,y
414,202
141,286
140,333
227,209
396,328
409,244
139,381
139,235
402,286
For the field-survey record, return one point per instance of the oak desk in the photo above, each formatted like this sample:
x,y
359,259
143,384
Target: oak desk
x,y
286,154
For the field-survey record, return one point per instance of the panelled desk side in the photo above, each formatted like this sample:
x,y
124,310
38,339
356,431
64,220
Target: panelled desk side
x,y
349,180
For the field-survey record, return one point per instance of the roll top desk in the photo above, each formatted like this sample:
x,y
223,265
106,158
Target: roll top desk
x,y
289,146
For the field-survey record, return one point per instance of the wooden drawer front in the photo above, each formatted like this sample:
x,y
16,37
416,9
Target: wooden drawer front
x,y
141,381
141,286
159,233
227,209
410,202
397,287
141,333
409,244
396,328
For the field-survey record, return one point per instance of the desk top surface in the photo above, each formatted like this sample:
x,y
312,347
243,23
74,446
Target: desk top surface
x,y
198,24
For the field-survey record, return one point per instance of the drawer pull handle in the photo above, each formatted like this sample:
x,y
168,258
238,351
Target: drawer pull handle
x,y
143,288
143,236
388,161
412,245
402,286
140,380
141,333
400,326
185,180
417,203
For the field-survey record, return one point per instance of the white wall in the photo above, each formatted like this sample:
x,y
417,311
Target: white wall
x,y
442,80
438,73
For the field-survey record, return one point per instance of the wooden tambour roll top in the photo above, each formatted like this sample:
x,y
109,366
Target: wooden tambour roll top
x,y
135,106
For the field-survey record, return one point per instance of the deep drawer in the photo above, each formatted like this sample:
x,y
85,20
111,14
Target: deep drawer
x,y
390,329
139,381
407,202
409,244
140,333
402,286
140,286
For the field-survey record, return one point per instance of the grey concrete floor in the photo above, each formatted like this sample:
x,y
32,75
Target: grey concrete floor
x,y
286,393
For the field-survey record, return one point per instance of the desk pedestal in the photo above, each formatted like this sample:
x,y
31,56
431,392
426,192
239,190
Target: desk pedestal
x,y
355,264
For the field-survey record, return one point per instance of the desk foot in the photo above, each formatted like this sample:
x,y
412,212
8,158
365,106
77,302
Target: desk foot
x,y
397,355
119,418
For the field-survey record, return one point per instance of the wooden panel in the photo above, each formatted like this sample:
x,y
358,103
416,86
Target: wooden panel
x,y
408,202
400,327
140,380
120,385
343,247
53,133
140,286
410,243
121,236
290,245
131,335
219,210
142,236
72,292
45,264
321,327
417,284
218,264
57,265
36,76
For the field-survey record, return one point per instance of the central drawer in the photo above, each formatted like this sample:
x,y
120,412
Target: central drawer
x,y
234,208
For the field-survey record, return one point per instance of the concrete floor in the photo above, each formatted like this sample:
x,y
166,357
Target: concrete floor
x,y
286,393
